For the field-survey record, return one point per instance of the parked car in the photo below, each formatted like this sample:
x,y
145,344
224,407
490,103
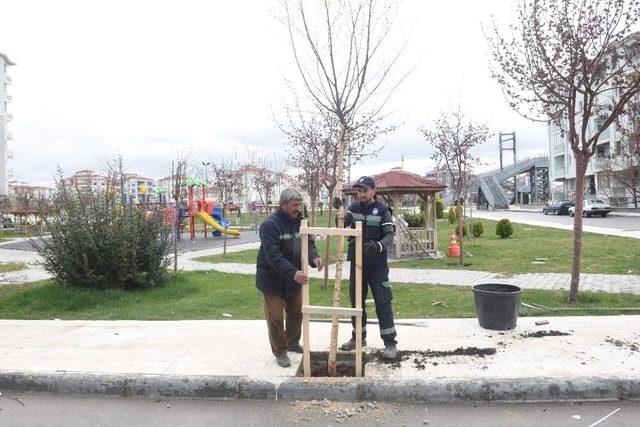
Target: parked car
x,y
557,208
592,207
7,223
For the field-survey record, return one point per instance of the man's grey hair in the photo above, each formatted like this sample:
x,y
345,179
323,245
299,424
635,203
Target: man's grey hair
x,y
289,194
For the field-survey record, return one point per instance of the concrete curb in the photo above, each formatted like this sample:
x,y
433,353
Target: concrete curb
x,y
428,390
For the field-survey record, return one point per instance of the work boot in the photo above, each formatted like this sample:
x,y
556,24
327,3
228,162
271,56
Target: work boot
x,y
295,348
283,360
389,351
351,344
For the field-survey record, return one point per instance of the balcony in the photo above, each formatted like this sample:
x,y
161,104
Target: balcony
x,y
558,150
8,80
8,99
558,172
9,117
9,136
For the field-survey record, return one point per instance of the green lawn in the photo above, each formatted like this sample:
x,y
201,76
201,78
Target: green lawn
x,y
11,234
601,254
6,267
207,295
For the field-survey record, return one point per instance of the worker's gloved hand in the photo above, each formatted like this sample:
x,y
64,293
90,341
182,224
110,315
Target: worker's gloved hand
x,y
337,202
372,248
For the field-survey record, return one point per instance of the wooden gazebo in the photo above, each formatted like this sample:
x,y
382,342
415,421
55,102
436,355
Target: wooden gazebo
x,y
410,242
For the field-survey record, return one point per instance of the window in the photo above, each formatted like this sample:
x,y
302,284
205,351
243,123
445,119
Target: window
x,y
598,124
602,150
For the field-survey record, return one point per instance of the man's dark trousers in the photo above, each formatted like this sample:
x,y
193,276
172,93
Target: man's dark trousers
x,y
376,277
284,332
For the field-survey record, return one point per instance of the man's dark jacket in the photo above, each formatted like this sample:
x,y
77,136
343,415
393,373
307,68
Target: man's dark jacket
x,y
279,254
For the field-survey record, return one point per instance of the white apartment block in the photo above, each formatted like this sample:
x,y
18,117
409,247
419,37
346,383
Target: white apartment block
x,y
140,188
19,188
597,184
5,117
136,188
87,180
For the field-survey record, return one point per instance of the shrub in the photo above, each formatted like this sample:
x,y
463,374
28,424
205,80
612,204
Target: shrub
x,y
414,220
504,228
477,229
305,212
99,241
439,207
451,215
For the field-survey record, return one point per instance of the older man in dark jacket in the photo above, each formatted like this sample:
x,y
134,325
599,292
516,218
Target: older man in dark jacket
x,y
279,275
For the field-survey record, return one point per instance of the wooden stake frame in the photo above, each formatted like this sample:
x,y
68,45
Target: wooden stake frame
x,y
307,309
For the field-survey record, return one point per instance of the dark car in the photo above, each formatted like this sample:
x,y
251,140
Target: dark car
x,y
557,208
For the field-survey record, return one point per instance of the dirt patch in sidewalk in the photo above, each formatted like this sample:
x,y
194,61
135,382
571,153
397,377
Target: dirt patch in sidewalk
x,y
345,364
421,358
540,334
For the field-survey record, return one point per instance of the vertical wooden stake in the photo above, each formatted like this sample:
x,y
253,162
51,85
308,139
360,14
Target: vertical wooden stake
x,y
358,289
304,242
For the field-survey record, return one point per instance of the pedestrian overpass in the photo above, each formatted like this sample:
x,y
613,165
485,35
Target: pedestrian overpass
x,y
503,187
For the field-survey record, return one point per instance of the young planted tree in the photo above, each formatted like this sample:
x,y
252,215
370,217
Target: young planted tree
x,y
227,179
453,137
338,49
570,62
266,176
178,175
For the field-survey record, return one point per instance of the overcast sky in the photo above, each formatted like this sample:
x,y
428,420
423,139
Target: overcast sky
x,y
140,78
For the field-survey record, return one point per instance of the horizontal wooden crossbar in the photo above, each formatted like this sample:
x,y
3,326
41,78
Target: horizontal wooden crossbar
x,y
325,231
337,311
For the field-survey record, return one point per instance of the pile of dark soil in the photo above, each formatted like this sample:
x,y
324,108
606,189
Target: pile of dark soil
x,y
540,334
421,358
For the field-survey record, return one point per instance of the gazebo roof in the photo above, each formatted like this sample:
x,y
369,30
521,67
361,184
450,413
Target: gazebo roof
x,y
399,181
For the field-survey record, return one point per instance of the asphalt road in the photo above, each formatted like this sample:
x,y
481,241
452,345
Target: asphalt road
x,y
619,222
69,410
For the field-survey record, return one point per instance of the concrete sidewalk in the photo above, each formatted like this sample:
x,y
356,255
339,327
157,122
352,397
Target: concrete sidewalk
x,y
589,358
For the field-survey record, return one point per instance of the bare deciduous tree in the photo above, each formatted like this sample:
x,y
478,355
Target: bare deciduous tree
x,y
178,176
338,47
570,61
266,176
453,137
227,179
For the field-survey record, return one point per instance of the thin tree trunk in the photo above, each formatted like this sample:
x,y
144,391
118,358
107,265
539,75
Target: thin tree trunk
x,y
460,219
222,220
333,349
313,212
325,283
581,162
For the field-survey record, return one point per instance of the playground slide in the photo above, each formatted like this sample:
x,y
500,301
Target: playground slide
x,y
213,223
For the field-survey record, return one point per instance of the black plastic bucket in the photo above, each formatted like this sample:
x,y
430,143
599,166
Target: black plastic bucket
x,y
497,305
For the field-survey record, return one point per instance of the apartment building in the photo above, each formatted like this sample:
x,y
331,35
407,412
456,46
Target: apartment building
x,y
19,188
87,180
612,144
140,188
5,118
